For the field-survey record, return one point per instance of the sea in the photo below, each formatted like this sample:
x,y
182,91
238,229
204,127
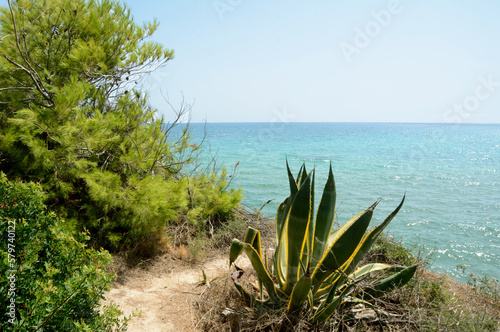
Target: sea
x,y
450,174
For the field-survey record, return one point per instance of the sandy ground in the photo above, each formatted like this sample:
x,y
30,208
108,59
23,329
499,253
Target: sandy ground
x,y
165,289
164,292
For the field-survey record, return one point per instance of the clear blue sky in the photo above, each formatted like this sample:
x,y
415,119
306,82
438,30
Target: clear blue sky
x,y
394,61
364,60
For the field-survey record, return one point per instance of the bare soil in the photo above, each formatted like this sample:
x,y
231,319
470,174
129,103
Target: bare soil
x,y
166,288
164,291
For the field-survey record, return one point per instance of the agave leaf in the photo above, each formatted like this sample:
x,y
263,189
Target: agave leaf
x,y
326,286
293,183
252,237
396,280
235,250
310,298
306,255
281,216
370,238
280,257
281,294
204,281
247,296
368,268
322,315
300,293
285,206
312,193
343,245
396,268
330,306
279,260
340,276
262,272
330,294
324,219
279,265
296,225
357,300
301,177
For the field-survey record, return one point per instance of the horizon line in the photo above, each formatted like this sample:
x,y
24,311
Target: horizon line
x,y
367,122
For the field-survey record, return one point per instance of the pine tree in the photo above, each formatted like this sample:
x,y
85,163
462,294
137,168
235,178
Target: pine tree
x,y
73,118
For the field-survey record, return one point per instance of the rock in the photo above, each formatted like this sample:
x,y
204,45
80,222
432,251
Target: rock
x,y
359,312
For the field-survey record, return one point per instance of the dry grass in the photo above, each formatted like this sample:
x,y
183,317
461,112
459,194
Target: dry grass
x,y
430,302
187,242
221,308
147,248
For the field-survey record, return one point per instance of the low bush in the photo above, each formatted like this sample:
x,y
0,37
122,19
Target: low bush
x,y
209,198
50,280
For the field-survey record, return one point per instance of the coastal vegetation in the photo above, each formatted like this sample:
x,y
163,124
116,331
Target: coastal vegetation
x,y
114,174
89,167
314,261
73,118
430,301
55,279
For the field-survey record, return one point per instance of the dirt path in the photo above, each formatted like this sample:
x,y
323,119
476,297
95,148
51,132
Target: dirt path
x,y
166,289
164,292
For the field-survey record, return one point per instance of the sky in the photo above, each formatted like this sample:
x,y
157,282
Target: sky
x,y
334,61
327,61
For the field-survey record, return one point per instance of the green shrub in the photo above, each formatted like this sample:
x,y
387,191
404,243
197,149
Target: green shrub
x,y
58,281
388,250
209,198
485,285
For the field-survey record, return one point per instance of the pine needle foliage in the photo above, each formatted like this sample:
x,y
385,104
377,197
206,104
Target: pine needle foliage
x,y
73,117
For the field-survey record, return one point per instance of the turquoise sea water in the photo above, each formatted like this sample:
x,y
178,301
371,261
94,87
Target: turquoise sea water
x,y
450,174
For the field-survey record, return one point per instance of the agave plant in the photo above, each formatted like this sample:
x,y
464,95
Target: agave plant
x,y
315,264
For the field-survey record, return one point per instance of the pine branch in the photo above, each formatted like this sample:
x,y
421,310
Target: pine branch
x,y
35,77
